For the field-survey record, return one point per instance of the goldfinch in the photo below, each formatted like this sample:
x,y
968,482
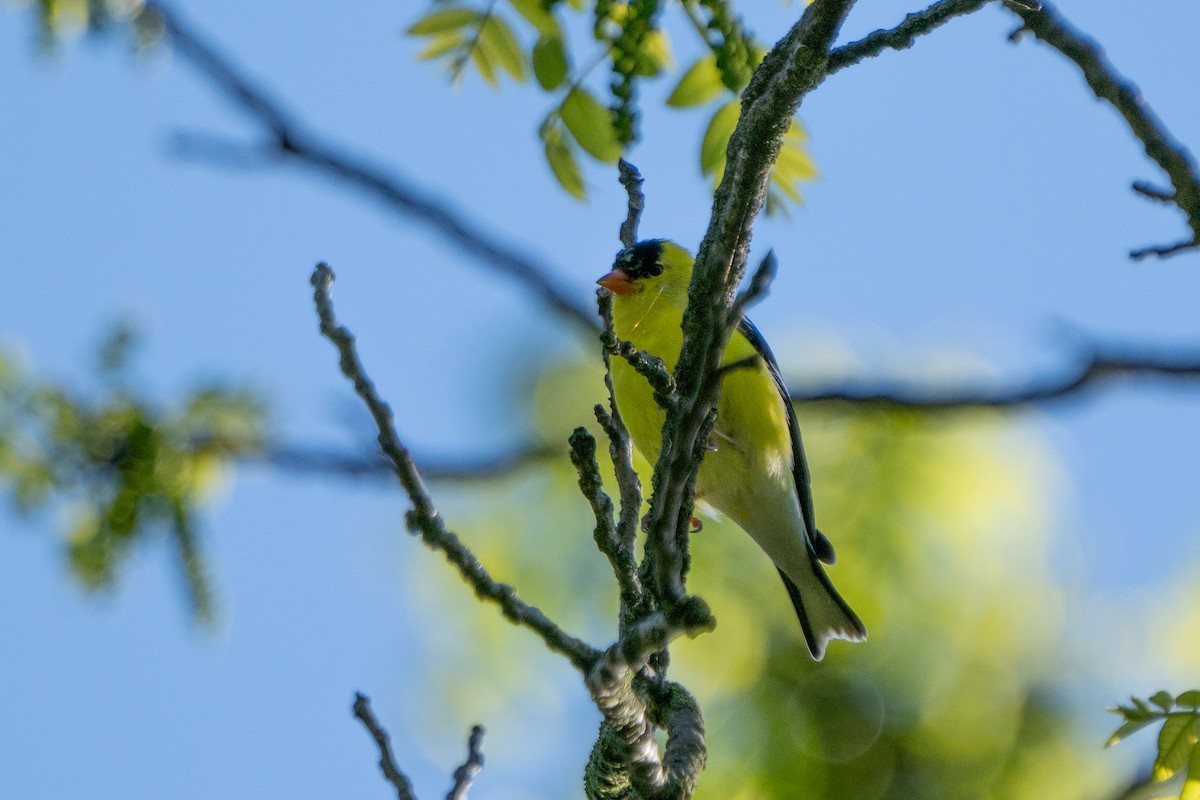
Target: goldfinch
x,y
755,472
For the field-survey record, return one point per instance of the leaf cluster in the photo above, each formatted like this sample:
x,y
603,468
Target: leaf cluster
x,y
59,19
628,38
123,467
1177,738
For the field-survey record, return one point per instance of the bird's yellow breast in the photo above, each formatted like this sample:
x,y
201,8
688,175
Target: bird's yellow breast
x,y
753,449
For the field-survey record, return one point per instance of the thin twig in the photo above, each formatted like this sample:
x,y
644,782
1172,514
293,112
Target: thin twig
x,y
387,762
650,367
631,179
288,138
424,518
371,464
1049,26
464,775
620,450
904,35
583,456
1093,370
756,290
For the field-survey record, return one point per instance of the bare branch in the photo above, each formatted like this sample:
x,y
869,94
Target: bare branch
x,y
424,518
387,762
1094,370
631,179
760,282
904,35
620,450
1044,22
583,456
464,775
1151,192
650,367
1164,250
372,464
287,138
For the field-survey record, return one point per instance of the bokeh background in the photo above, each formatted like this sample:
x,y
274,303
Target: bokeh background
x,y
1018,571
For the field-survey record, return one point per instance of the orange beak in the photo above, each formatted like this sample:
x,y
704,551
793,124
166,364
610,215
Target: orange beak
x,y
617,282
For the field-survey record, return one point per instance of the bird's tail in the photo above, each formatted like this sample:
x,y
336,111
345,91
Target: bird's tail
x,y
823,614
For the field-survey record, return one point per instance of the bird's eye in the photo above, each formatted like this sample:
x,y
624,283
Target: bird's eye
x,y
654,270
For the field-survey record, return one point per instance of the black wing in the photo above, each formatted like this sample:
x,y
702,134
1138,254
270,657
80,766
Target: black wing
x,y
821,545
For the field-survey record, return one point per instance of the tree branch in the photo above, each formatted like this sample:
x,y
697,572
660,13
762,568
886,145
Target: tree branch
x,y
1044,22
286,138
794,67
619,554
904,35
372,464
424,518
465,775
631,179
387,761
626,755
1092,371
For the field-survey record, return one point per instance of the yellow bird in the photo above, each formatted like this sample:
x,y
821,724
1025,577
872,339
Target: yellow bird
x,y
755,472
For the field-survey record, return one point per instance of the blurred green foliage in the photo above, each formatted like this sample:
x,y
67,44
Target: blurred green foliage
x,y
522,37
66,19
118,468
1177,738
943,532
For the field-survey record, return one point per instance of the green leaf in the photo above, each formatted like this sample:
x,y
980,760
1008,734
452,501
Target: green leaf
x,y
591,125
549,62
1175,743
538,17
716,138
1128,729
654,55
791,167
1133,713
484,65
500,43
441,44
1190,698
563,163
1163,700
450,19
701,83
1191,786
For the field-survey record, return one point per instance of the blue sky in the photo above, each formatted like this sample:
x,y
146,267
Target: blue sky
x,y
973,210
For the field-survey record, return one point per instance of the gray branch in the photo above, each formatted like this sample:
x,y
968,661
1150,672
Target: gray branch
x,y
904,35
1093,370
619,554
465,775
387,761
1045,23
631,179
287,138
424,517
